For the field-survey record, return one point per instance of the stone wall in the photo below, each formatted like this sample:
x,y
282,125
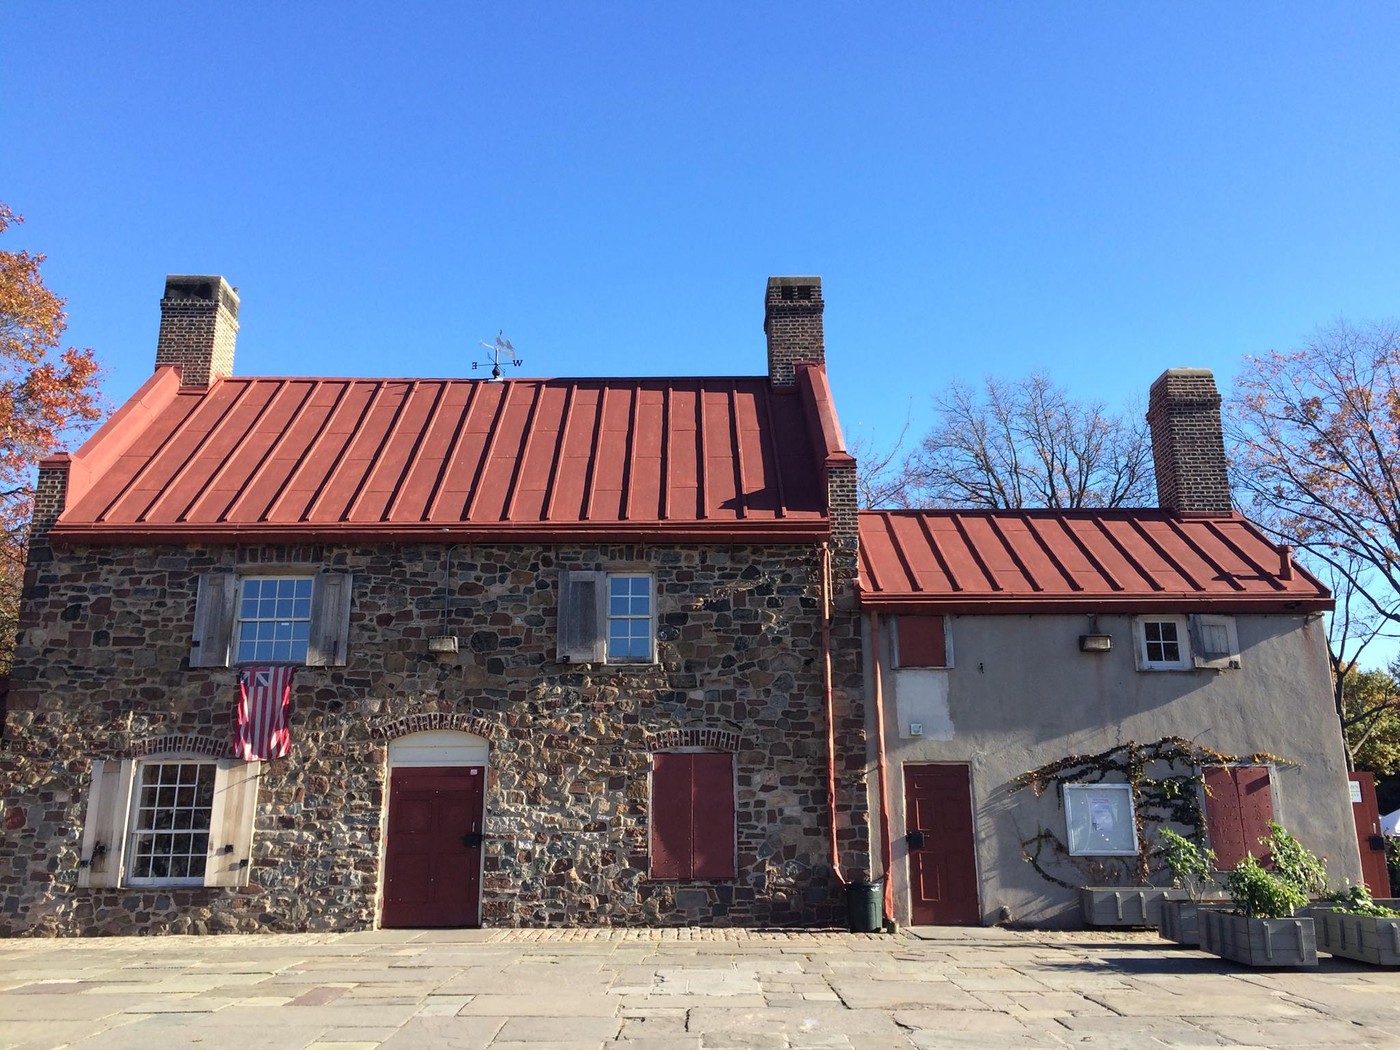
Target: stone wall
x,y
102,671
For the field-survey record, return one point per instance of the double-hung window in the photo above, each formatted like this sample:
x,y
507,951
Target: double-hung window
x,y
267,619
173,820
607,617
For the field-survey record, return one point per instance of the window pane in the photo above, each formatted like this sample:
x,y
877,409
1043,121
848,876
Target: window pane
x,y
170,833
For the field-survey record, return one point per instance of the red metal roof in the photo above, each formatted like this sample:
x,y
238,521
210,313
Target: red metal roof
x,y
1017,561
300,458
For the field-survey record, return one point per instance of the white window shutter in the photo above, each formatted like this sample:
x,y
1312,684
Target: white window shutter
x,y
104,826
582,617
231,823
214,610
1214,642
330,620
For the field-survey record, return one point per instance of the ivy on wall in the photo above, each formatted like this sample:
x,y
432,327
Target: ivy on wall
x,y
1167,781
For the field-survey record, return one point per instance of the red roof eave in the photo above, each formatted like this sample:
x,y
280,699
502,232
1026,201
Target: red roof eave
x,y
1120,603
786,530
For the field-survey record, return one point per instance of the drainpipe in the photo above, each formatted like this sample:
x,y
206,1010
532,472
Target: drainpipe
x,y
886,854
830,711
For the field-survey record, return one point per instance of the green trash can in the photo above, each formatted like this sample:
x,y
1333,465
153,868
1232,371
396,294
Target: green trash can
x,y
865,906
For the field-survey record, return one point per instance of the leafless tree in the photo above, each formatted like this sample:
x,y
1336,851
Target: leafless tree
x,y
1027,443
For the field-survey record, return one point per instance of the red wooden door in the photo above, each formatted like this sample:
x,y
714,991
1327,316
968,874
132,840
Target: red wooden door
x,y
1368,834
943,870
432,850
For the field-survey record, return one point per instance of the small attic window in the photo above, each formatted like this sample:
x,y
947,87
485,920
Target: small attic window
x,y
797,291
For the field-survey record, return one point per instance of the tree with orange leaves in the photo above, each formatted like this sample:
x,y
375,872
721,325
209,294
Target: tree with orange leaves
x,y
47,395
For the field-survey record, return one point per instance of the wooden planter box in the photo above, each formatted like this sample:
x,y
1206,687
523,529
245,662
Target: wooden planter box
x,y
1181,919
1367,938
1125,905
1258,942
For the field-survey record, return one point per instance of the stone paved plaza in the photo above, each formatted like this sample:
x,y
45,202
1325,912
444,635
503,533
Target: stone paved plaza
x,y
673,989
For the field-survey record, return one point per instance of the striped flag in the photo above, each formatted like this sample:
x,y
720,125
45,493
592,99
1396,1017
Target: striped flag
x,y
264,701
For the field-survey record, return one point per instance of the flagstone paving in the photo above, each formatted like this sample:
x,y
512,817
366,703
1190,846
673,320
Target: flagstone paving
x,y
675,990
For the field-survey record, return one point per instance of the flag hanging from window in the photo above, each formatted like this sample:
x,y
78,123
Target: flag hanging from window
x,y
264,702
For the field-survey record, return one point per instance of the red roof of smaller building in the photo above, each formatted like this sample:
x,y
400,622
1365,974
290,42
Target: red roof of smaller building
x,y
289,459
1022,561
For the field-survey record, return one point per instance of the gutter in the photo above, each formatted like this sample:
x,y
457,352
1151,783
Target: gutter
x,y
828,696
886,848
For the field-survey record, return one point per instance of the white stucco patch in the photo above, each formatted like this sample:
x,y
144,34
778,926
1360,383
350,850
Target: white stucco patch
x,y
922,700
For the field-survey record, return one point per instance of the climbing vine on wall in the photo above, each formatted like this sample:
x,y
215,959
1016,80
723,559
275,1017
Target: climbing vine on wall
x,y
1167,785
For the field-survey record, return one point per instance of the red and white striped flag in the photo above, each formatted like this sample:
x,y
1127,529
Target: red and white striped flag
x,y
264,701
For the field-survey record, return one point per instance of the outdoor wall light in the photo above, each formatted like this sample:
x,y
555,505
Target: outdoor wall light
x,y
1095,643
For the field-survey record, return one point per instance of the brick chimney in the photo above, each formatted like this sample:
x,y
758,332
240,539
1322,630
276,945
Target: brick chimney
x,y
198,326
792,320
1188,445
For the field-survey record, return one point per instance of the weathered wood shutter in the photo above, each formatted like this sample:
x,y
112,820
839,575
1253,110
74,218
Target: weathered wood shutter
x,y
582,617
671,838
692,816
1214,642
712,816
231,822
214,610
1239,807
921,641
103,848
330,620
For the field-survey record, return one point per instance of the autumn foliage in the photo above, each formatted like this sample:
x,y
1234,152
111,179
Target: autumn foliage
x,y
47,394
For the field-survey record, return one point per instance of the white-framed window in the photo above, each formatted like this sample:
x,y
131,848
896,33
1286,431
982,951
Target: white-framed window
x,y
1162,642
272,619
630,630
171,810
607,617
1100,821
169,820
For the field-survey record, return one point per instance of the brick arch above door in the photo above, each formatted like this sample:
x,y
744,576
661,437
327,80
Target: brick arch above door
x,y
393,728
694,736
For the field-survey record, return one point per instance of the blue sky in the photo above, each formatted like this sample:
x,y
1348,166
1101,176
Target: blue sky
x,y
1098,190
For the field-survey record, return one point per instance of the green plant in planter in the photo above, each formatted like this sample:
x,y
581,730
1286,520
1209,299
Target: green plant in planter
x,y
1261,894
1192,866
1357,900
1294,863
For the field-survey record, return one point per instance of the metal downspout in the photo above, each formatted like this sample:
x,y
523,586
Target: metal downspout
x,y
830,711
886,850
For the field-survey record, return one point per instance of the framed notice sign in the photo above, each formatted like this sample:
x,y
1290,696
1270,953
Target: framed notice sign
x,y
1099,818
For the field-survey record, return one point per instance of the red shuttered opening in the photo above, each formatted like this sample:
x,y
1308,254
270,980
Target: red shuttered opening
x,y
920,641
1239,806
692,816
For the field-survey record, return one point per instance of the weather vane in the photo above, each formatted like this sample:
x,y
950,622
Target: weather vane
x,y
499,348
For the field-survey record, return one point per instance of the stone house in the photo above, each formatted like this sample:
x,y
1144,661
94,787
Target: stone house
x,y
1080,643
557,651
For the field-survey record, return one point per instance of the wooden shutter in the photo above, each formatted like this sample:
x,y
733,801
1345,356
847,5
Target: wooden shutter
x,y
671,835
231,823
214,608
1239,807
330,620
712,816
104,825
1214,642
582,617
920,641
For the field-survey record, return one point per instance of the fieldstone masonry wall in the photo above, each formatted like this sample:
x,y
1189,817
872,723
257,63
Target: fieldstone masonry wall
x,y
102,672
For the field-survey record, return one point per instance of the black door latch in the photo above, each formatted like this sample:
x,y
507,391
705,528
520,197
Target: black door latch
x,y
473,839
915,839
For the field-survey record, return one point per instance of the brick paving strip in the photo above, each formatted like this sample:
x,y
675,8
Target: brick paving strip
x,y
688,989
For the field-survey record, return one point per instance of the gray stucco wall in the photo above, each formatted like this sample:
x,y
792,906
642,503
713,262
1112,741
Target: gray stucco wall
x,y
1020,695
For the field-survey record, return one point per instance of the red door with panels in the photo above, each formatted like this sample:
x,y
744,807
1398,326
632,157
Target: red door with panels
x,y
1367,813
942,854
432,850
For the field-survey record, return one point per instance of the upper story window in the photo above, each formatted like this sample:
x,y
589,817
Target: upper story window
x,y
921,641
274,619
1162,643
1173,642
629,619
267,619
606,617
